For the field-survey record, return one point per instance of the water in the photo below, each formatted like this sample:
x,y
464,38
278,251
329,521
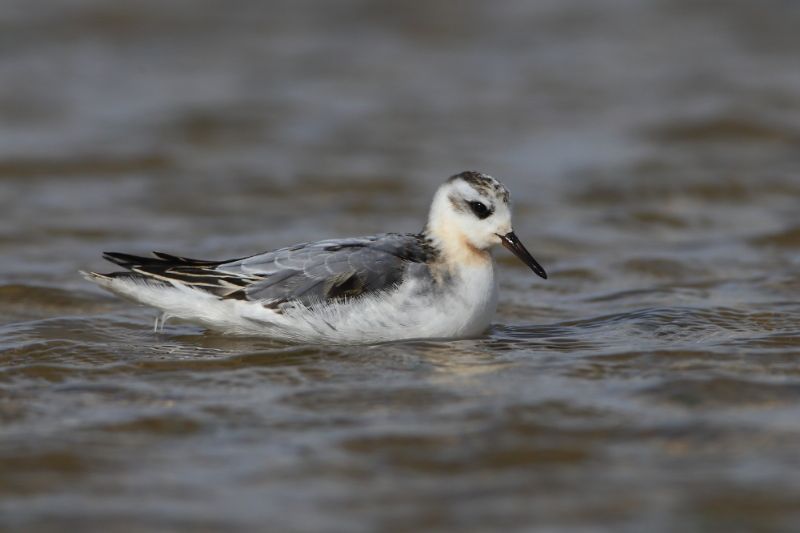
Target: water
x,y
652,150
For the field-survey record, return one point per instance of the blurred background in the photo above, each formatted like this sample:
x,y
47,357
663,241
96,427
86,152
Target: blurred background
x,y
652,151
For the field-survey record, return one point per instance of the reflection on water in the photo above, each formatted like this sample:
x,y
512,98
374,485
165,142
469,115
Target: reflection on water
x,y
652,153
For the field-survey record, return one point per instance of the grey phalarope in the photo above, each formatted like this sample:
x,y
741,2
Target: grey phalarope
x,y
439,283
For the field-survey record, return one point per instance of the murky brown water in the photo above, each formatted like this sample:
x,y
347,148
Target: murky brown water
x,y
653,153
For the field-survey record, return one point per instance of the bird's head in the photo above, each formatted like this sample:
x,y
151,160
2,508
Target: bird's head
x,y
471,213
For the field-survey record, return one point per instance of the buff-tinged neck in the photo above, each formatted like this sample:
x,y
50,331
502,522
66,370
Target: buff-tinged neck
x,y
455,250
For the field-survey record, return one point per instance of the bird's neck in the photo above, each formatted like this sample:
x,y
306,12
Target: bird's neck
x,y
455,252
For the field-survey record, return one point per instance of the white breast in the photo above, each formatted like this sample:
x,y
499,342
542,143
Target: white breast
x,y
471,304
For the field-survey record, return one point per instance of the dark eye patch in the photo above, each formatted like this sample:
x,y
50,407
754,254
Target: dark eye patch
x,y
479,209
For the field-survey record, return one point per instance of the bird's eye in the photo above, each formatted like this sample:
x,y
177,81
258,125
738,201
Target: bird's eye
x,y
480,209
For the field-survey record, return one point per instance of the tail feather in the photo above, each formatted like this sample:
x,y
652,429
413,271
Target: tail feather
x,y
128,260
160,259
95,277
167,269
106,280
187,260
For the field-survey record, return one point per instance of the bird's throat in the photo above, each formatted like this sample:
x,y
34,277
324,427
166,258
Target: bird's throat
x,y
456,250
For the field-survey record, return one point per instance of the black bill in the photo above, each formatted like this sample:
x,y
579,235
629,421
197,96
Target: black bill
x,y
511,242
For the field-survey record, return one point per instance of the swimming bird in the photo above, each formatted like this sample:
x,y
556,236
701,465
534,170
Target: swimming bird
x,y
439,283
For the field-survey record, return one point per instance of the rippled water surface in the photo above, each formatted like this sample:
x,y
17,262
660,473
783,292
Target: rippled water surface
x,y
653,154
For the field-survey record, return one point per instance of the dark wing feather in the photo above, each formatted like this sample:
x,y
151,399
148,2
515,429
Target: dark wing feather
x,y
304,273
169,268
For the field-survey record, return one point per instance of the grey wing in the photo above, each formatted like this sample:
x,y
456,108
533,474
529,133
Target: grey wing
x,y
326,270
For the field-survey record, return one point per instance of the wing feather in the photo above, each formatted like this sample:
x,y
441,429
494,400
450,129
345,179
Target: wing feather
x,y
304,273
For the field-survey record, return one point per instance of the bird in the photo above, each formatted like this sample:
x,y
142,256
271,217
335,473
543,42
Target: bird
x,y
439,283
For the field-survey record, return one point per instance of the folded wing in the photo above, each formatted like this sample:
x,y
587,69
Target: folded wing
x,y
305,273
